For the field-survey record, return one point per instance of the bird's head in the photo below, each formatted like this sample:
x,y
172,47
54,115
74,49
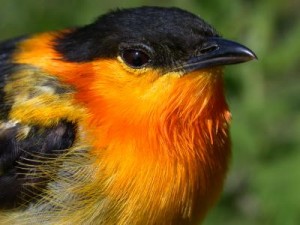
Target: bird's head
x,y
148,59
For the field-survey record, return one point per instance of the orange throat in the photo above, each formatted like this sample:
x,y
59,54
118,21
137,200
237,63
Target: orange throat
x,y
169,158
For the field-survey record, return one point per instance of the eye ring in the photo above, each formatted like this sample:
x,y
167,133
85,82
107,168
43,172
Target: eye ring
x,y
135,58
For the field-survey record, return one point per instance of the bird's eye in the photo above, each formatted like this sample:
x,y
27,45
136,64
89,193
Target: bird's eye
x,y
135,58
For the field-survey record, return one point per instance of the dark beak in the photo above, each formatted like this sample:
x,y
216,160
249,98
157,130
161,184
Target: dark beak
x,y
217,52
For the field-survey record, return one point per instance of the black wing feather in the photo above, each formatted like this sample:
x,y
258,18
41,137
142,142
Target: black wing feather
x,y
20,160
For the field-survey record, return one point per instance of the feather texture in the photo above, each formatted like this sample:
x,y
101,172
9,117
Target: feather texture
x,y
92,139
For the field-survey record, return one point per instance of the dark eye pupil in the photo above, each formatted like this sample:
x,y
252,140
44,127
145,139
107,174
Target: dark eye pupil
x,y
135,58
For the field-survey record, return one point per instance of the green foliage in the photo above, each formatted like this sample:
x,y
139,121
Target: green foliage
x,y
264,96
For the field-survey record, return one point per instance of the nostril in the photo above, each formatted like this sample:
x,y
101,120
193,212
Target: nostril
x,y
208,48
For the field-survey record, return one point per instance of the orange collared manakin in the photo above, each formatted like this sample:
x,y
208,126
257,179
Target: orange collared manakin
x,y
120,122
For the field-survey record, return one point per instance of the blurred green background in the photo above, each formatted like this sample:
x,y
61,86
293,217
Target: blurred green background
x,y
264,181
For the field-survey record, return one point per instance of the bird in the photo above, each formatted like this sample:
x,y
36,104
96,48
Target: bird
x,y
121,121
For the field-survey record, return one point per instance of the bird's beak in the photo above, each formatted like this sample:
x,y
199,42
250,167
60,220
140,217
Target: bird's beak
x,y
218,51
